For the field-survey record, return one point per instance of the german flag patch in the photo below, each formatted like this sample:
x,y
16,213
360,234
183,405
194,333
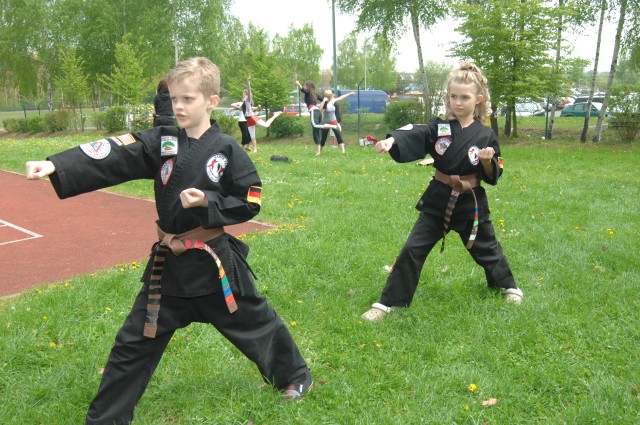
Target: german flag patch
x,y
500,163
254,195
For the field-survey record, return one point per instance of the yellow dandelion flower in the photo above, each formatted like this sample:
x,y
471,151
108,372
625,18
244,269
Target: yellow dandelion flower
x,y
363,346
610,232
52,344
107,309
466,408
174,339
67,284
360,322
378,345
472,387
45,318
294,324
299,301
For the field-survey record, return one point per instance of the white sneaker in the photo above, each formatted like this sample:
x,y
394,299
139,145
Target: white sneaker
x,y
513,295
376,312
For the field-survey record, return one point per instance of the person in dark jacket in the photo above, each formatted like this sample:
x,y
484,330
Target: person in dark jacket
x,y
162,108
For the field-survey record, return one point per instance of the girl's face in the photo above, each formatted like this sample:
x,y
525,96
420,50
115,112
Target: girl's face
x,y
463,99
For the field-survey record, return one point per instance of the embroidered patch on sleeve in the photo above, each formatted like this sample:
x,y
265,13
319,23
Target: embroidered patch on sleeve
x,y
97,150
255,195
500,163
126,139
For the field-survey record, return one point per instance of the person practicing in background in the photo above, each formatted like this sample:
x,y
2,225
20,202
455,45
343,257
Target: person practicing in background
x,y
334,141
311,99
251,117
465,153
328,108
197,272
162,109
242,123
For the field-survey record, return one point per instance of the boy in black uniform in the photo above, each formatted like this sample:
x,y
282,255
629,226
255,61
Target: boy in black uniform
x,y
197,272
465,152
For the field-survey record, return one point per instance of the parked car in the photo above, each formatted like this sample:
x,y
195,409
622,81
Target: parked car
x,y
528,109
296,109
579,109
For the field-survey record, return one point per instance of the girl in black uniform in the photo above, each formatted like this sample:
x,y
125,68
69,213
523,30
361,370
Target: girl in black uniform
x,y
465,152
312,100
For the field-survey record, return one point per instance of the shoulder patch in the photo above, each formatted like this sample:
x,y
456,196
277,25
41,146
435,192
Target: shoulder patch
x,y
255,195
442,144
444,129
215,166
168,145
97,150
125,139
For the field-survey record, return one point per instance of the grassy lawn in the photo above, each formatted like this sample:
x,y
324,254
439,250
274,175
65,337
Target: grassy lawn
x,y
566,214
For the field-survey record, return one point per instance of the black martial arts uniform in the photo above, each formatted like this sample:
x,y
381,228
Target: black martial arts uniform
x,y
455,153
191,285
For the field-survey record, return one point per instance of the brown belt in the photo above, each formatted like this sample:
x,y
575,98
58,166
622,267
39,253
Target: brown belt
x,y
459,184
179,244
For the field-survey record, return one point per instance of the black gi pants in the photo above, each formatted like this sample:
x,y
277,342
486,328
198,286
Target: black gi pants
x,y
325,134
255,329
426,233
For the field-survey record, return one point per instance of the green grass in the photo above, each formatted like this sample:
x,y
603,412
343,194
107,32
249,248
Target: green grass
x,y
566,214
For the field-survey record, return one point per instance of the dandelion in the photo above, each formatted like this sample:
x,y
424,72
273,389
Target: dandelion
x,y
363,346
174,339
294,324
360,322
466,408
299,301
378,345
67,285
107,309
472,387
45,318
610,232
52,344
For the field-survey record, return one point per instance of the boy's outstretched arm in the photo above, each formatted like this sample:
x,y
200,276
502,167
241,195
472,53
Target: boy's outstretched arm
x,y
36,170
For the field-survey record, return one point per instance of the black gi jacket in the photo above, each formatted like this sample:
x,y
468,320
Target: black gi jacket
x,y
215,164
454,151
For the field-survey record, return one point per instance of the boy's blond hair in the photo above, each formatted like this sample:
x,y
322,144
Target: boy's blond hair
x,y
203,72
469,73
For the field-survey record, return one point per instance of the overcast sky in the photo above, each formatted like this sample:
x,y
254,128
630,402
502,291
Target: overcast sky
x,y
276,16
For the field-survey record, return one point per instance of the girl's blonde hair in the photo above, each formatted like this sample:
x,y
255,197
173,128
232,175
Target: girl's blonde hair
x,y
469,73
328,93
203,72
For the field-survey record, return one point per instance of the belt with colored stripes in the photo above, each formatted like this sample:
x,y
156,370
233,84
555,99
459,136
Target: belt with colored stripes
x,y
179,244
459,184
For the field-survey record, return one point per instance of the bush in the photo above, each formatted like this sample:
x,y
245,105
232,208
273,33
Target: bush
x,y
100,120
116,119
141,117
59,120
399,114
625,111
10,124
288,126
227,123
37,124
23,125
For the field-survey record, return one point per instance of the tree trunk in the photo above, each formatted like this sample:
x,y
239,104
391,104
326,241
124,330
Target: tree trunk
x,y
612,71
415,25
585,127
554,101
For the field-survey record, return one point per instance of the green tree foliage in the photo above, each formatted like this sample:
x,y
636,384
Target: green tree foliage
x,y
72,81
389,19
511,42
126,81
350,65
380,64
299,53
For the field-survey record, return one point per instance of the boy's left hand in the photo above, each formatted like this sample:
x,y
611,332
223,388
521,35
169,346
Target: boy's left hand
x,y
193,197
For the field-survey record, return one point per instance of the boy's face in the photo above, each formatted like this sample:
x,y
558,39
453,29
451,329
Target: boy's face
x,y
191,107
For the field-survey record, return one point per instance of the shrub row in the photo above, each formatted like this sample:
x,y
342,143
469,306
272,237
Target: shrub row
x,y
50,122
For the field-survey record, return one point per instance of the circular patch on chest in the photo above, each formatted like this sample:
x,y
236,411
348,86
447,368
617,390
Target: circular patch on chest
x,y
473,155
215,167
166,171
442,144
